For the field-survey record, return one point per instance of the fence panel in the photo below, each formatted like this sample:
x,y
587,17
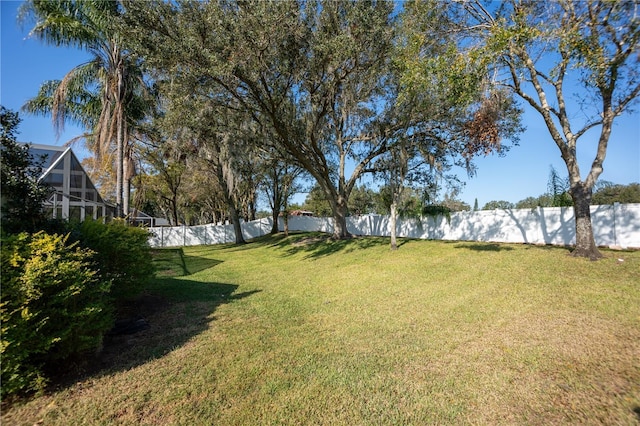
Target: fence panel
x,y
616,226
626,220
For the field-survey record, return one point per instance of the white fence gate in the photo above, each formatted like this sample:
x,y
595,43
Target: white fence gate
x,y
615,225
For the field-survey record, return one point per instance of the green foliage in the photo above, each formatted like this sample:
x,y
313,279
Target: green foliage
x,y
501,204
122,255
54,306
317,203
454,204
361,200
409,204
449,80
434,210
559,190
613,193
544,200
22,194
605,193
58,297
430,65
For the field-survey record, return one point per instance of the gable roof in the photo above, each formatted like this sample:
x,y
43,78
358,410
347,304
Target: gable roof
x,y
54,157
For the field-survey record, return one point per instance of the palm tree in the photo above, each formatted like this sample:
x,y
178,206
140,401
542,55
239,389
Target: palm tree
x,y
98,94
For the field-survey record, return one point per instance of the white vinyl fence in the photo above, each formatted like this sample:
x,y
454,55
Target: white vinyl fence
x,y
615,225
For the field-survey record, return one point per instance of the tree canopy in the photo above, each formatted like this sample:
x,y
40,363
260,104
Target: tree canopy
x,y
325,79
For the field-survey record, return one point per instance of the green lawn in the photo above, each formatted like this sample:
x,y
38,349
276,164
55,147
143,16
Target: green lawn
x,y
302,330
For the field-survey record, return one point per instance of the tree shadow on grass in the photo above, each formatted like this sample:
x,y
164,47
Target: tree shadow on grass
x,y
174,309
484,247
314,244
317,245
171,262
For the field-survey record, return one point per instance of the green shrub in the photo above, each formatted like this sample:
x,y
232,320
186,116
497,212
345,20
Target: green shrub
x,y
23,193
54,306
123,255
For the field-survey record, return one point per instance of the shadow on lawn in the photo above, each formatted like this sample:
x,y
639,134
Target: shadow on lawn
x,y
317,245
176,310
172,311
173,262
484,247
487,246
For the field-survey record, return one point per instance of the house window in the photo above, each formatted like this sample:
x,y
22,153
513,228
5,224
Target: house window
x,y
55,179
75,166
76,181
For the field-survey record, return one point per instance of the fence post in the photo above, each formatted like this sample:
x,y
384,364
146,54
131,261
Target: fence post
x,y
616,205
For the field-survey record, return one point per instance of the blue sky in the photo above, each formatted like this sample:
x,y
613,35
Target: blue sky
x,y
26,63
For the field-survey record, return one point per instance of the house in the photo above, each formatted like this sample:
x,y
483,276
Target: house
x,y
140,218
75,197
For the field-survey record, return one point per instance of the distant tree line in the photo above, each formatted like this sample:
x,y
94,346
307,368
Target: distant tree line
x,y
558,195
415,202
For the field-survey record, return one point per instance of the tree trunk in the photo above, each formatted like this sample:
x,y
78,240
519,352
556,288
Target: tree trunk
x,y
174,210
128,171
235,218
585,242
285,216
231,207
340,231
274,218
275,209
393,220
338,202
252,211
126,197
121,130
285,220
119,164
